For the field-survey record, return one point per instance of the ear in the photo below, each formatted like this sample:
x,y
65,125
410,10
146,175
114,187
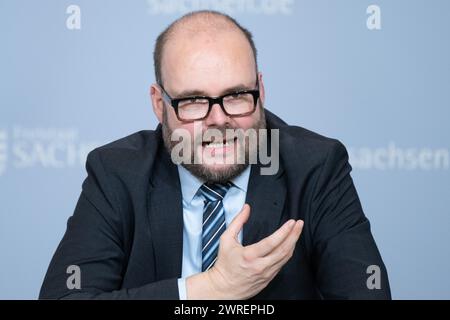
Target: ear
x,y
157,101
262,92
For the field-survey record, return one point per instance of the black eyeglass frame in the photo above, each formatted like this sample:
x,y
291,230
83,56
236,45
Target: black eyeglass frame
x,y
174,102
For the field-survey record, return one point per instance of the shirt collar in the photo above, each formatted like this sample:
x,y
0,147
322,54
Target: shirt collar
x,y
190,183
241,181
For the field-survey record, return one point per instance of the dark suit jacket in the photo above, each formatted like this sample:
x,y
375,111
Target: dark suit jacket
x,y
126,232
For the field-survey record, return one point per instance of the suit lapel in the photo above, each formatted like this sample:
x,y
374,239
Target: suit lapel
x,y
166,217
266,196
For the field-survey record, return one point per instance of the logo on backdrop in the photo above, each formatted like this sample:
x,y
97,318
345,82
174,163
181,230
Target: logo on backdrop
x,y
3,150
394,157
49,148
261,7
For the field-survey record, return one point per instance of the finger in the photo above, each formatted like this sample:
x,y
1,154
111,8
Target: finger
x,y
268,244
283,252
238,222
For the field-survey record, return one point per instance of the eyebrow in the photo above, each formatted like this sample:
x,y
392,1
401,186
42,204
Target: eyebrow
x,y
193,93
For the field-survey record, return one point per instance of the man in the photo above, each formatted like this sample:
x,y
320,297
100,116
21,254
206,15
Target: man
x,y
147,227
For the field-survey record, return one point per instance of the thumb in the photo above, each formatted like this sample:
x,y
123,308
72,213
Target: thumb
x,y
238,221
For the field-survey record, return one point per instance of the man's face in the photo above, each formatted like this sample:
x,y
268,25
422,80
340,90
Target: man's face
x,y
209,65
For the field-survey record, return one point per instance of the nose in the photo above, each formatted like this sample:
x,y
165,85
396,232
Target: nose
x,y
216,117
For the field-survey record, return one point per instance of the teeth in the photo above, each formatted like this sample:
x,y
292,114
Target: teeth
x,y
219,144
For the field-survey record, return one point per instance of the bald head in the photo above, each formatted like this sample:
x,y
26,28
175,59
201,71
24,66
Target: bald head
x,y
209,26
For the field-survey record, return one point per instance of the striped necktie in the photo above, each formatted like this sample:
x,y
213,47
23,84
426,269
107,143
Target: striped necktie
x,y
213,221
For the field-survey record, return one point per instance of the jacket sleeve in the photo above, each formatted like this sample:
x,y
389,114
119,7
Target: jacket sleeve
x,y
347,261
94,243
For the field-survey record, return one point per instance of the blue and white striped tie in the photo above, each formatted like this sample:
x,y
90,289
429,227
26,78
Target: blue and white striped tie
x,y
213,221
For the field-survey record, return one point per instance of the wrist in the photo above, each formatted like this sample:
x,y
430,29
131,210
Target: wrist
x,y
202,286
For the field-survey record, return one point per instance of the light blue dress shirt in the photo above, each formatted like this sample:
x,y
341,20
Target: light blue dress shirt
x,y
233,202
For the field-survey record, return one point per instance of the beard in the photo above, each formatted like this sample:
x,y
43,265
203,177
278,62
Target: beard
x,y
216,175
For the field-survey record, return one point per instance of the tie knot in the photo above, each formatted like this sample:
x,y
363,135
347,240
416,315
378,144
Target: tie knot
x,y
215,191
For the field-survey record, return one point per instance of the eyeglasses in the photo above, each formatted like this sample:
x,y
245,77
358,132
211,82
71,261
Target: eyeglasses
x,y
235,104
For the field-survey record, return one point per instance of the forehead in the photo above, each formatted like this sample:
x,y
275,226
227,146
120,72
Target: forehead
x,y
207,61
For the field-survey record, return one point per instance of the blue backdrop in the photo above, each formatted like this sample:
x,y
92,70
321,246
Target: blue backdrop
x,y
75,75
